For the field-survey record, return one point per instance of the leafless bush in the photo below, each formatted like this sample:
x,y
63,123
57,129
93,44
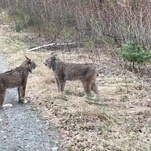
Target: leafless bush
x,y
108,22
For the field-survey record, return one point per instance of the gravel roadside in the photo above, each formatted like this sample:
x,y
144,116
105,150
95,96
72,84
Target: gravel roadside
x,y
20,127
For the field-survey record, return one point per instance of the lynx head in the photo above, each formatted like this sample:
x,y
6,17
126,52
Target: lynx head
x,y
51,61
29,64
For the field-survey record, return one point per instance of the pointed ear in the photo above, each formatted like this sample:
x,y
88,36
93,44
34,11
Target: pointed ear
x,y
52,54
29,60
53,58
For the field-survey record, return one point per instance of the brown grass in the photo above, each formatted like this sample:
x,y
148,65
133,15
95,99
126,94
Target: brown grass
x,y
120,121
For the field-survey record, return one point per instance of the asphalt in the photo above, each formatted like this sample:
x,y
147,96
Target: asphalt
x,y
21,129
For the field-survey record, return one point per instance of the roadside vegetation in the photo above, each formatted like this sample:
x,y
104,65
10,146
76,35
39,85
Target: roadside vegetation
x,y
103,22
113,35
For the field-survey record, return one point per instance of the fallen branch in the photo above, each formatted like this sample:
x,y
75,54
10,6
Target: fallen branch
x,y
54,45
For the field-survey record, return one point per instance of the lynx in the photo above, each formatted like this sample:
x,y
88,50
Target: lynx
x,y
16,78
64,71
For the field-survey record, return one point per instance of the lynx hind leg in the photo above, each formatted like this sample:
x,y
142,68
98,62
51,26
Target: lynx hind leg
x,y
62,83
87,89
2,96
95,89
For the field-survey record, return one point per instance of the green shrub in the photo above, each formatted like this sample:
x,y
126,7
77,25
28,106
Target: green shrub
x,y
69,19
18,26
134,53
89,42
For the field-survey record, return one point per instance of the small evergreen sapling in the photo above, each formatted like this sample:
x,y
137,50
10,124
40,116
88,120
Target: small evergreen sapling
x,y
134,53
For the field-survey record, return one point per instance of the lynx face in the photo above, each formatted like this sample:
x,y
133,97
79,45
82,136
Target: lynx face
x,y
32,66
29,65
50,61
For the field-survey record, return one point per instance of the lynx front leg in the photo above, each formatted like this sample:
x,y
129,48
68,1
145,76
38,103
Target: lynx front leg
x,y
58,85
62,82
21,95
2,96
21,91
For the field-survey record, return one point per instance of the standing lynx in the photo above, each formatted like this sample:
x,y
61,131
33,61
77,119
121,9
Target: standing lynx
x,y
16,78
63,71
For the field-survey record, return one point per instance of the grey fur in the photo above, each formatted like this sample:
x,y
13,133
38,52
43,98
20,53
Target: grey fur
x,y
64,71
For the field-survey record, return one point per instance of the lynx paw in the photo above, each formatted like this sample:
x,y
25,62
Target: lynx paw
x,y
22,100
25,101
7,106
96,97
86,97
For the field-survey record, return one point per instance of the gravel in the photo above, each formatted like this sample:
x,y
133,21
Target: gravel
x,y
20,127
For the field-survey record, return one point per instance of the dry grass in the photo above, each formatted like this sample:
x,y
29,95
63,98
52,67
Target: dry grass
x,y
121,121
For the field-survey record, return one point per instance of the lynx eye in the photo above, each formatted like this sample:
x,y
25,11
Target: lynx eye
x,y
34,66
46,62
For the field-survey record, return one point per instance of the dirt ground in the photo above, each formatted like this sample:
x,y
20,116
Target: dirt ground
x,y
119,121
